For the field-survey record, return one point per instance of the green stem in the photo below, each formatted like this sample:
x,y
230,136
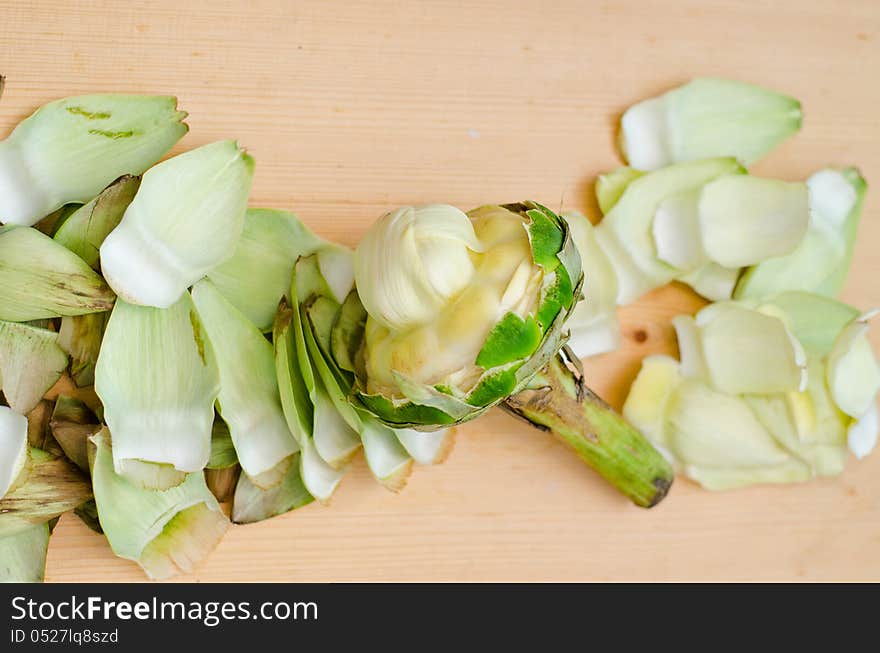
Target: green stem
x,y
557,400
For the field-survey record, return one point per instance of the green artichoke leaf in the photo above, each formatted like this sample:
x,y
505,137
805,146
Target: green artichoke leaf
x,y
50,486
252,504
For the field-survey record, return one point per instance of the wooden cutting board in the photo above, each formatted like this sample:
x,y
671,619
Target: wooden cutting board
x,y
352,108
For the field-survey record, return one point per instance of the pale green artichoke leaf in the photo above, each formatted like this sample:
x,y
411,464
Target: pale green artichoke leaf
x,y
294,391
712,281
593,321
718,479
31,362
708,429
47,487
645,405
249,400
257,276
23,555
83,231
862,434
319,478
40,278
749,351
610,186
158,380
815,320
70,149
625,234
853,371
704,118
251,503
13,447
165,532
744,220
836,280
676,231
186,219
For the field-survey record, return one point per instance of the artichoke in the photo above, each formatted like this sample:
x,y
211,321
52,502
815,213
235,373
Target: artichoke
x,y
455,313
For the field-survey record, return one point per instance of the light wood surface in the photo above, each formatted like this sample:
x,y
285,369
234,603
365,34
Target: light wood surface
x,y
352,108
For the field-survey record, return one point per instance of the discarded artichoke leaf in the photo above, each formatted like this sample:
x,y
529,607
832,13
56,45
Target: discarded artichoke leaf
x,y
48,487
70,149
13,447
719,478
23,555
676,231
31,362
427,448
319,478
257,275
84,230
165,532
835,281
815,320
707,117
708,429
186,219
748,351
336,265
835,202
295,401
593,322
853,371
645,405
249,401
745,220
222,482
861,436
150,475
802,426
625,234
158,380
40,278
712,281
81,336
252,503
610,186
222,447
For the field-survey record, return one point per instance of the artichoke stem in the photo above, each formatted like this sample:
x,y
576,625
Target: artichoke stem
x,y
557,400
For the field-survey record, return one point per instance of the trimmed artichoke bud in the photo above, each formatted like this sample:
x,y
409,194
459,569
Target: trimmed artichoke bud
x,y
422,355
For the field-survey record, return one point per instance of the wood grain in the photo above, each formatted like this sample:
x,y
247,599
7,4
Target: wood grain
x,y
352,108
